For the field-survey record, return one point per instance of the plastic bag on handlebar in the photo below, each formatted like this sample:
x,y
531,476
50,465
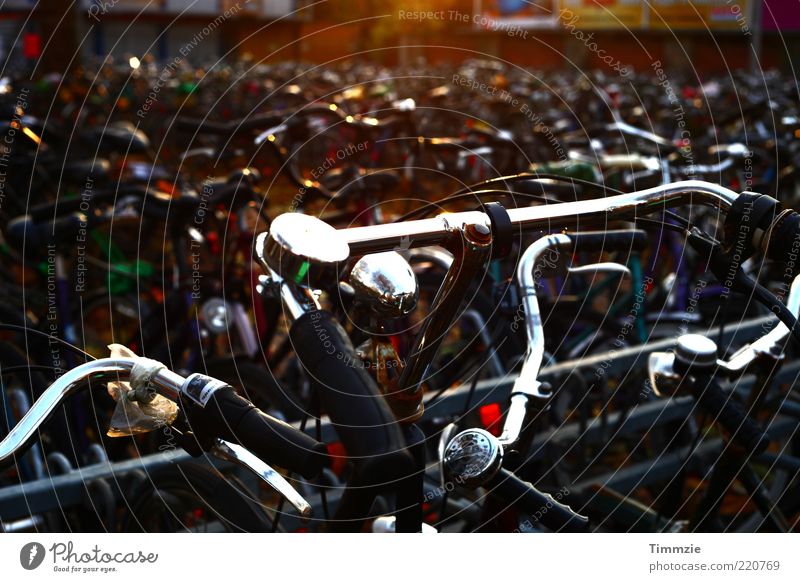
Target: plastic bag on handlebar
x,y
136,417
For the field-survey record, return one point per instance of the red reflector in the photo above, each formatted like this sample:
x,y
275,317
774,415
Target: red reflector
x,y
338,456
31,45
490,418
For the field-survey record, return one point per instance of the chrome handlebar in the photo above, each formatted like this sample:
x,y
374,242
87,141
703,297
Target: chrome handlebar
x,y
166,383
100,371
528,391
770,344
434,231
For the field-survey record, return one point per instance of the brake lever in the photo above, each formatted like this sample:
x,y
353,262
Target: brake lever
x,y
597,268
770,345
244,458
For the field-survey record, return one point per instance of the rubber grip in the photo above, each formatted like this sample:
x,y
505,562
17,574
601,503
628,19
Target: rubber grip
x,y
357,410
47,210
201,126
229,416
542,507
34,236
726,411
609,240
783,244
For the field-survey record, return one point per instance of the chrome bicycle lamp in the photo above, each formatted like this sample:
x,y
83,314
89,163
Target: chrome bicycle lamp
x,y
303,250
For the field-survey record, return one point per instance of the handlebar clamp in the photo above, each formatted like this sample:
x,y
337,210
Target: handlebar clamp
x,y
502,229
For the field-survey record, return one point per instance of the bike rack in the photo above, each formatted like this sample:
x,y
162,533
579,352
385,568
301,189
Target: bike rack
x,y
59,492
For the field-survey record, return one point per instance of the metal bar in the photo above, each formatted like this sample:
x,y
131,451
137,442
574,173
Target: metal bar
x,y
548,217
666,466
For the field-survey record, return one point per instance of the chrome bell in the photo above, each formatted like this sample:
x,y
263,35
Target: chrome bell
x,y
667,369
303,250
386,283
472,457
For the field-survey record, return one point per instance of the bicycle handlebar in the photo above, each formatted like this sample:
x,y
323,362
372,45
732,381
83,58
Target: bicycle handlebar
x,y
533,265
213,404
585,213
769,343
97,372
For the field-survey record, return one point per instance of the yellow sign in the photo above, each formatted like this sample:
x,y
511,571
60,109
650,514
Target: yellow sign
x,y
655,14
700,14
600,14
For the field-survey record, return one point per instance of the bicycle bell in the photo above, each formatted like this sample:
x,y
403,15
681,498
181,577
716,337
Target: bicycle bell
x,y
692,352
472,457
386,283
303,250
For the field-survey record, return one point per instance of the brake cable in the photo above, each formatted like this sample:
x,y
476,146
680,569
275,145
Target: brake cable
x,y
66,344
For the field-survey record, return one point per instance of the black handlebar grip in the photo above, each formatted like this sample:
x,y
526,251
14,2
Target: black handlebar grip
x,y
784,243
745,431
64,206
34,236
201,126
609,240
542,507
357,410
231,417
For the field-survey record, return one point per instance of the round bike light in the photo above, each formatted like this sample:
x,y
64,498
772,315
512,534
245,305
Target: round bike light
x,y
217,315
472,457
303,250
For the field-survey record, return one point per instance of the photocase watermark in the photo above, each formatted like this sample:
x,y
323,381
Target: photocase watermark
x,y
80,263
195,245
340,154
20,105
479,20
66,558
100,8
569,20
172,66
685,147
528,524
627,326
170,443
31,555
534,118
